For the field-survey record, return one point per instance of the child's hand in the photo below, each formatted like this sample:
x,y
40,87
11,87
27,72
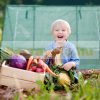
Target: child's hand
x,y
69,65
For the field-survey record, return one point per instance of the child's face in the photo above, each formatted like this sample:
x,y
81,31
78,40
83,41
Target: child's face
x,y
60,31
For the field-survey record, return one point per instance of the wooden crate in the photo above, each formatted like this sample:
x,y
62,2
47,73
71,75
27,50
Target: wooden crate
x,y
19,78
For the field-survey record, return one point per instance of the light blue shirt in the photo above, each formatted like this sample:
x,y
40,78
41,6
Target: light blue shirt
x,y
69,53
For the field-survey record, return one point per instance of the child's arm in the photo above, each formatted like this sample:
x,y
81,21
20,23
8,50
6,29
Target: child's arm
x,y
74,60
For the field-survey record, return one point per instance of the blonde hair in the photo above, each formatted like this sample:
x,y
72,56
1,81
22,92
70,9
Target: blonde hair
x,y
62,21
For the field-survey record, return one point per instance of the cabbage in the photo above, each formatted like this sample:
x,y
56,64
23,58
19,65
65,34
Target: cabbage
x,y
17,61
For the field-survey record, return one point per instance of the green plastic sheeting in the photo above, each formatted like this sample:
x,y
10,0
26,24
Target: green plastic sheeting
x,y
29,27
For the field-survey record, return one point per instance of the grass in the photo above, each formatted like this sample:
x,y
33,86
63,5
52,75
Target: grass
x,y
84,90
0,34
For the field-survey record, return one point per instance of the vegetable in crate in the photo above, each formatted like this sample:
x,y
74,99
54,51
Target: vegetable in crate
x,y
45,67
17,61
5,54
25,53
40,65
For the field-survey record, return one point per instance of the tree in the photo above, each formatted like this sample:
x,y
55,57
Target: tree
x,y
3,3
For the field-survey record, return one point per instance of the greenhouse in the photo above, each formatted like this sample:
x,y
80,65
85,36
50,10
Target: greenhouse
x,y
28,27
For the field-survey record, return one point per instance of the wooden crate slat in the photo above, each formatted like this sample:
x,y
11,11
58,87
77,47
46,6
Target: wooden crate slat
x,y
17,83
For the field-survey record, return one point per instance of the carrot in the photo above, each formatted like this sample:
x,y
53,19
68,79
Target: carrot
x,y
45,66
47,69
29,62
35,61
50,71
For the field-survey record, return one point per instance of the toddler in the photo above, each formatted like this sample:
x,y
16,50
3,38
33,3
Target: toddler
x,y
66,57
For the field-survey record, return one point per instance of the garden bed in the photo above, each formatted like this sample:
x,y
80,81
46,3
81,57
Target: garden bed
x,y
30,94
